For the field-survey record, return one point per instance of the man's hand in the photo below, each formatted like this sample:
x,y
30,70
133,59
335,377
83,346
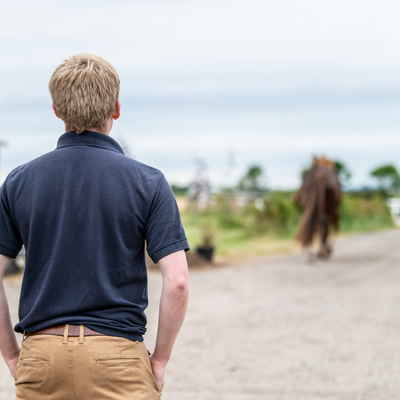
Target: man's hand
x,y
158,368
12,362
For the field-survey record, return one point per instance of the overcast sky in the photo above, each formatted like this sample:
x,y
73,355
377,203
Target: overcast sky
x,y
235,83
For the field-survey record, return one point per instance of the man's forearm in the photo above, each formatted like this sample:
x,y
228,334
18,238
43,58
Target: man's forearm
x,y
8,343
173,305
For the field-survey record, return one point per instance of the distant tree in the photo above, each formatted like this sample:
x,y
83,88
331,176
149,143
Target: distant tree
x,y
342,171
179,190
199,189
388,178
253,180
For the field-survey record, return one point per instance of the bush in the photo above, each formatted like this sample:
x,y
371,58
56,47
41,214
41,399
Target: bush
x,y
235,226
364,213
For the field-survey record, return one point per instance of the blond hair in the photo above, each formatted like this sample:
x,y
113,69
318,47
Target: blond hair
x,y
85,90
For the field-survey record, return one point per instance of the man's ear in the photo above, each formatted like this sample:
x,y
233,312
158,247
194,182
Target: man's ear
x,y
117,111
55,111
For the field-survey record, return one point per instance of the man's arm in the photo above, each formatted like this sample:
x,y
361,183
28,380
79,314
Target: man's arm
x,y
173,304
8,343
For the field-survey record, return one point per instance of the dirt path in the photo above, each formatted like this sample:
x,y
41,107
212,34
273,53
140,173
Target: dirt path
x,y
279,329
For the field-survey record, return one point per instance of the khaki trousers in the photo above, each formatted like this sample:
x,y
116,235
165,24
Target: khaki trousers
x,y
84,368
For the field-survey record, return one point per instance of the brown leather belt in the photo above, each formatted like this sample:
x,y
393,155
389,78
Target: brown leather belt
x,y
74,330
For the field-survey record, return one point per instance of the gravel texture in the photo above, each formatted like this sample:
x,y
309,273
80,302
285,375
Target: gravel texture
x,y
277,328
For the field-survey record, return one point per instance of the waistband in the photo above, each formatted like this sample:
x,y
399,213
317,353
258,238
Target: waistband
x,y
66,331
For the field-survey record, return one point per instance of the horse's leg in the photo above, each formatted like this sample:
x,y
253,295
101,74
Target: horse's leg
x,y
327,244
331,219
324,252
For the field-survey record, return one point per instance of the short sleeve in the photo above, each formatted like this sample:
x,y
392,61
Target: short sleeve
x,y
164,230
10,239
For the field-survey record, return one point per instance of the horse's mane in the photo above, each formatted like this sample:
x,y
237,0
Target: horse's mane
x,y
323,162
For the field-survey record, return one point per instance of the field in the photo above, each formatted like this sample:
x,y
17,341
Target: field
x,y
239,231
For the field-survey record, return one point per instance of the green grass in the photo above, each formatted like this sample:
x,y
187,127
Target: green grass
x,y
247,231
361,214
372,223
234,241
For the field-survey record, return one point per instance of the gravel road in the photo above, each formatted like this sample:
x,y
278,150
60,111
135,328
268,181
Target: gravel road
x,y
277,328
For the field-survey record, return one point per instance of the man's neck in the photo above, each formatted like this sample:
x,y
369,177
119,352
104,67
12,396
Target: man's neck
x,y
105,129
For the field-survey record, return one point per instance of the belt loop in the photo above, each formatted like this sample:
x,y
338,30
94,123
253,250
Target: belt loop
x,y
24,336
81,334
66,331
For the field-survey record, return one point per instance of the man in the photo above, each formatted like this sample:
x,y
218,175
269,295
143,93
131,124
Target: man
x,y
84,212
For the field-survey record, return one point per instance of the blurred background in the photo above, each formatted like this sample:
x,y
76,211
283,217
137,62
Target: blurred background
x,y
214,88
232,100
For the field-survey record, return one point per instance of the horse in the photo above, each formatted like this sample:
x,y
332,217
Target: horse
x,y
319,197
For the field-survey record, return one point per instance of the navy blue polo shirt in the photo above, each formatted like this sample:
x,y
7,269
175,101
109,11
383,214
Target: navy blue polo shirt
x,y
84,212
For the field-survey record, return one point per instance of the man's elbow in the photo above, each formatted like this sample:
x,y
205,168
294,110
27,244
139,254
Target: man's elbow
x,y
175,273
177,287
181,287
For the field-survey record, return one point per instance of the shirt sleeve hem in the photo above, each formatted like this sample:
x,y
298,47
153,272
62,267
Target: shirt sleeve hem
x,y
6,251
169,249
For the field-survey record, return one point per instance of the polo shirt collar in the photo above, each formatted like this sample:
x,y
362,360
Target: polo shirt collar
x,y
89,138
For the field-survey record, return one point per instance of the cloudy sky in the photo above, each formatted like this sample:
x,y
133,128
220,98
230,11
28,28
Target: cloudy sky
x,y
234,83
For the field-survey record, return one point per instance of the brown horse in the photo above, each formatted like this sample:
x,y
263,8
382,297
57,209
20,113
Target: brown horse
x,y
319,197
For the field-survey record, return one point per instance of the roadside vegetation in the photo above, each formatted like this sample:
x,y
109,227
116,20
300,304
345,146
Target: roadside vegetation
x,y
249,219
237,230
